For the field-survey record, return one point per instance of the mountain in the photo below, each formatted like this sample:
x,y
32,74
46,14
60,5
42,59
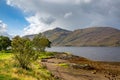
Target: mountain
x,y
56,35
29,36
94,36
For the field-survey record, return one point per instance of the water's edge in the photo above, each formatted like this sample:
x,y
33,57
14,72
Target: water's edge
x,y
109,54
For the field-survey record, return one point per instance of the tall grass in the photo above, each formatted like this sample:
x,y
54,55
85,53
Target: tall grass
x,y
4,56
9,70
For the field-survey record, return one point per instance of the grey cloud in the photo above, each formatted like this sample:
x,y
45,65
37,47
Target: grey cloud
x,y
84,14
47,20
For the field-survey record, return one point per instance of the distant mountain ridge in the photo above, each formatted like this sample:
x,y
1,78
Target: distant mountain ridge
x,y
56,35
94,36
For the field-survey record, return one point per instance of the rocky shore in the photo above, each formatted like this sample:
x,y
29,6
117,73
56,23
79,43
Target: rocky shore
x,y
65,66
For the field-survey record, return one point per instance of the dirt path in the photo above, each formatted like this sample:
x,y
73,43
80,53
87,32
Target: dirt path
x,y
66,70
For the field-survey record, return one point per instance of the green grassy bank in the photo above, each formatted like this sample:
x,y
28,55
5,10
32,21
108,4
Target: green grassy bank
x,y
9,70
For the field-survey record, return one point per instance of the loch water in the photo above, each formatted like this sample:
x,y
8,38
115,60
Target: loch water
x,y
111,54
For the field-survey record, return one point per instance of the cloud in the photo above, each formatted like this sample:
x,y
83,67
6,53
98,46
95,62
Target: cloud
x,y
3,27
47,20
68,15
67,1
71,14
57,1
38,24
87,1
82,1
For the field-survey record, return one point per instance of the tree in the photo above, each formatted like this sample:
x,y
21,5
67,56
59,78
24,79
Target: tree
x,y
4,42
23,51
41,42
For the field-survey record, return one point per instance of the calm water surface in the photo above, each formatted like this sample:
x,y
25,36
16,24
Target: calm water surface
x,y
93,53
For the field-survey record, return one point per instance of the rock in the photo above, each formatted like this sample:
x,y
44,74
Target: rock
x,y
57,77
63,56
43,60
94,72
113,75
52,57
105,76
51,62
81,66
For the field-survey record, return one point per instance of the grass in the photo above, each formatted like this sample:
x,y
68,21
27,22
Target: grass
x,y
46,54
5,56
6,77
65,65
10,71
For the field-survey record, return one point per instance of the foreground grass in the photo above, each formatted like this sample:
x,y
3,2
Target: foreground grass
x,y
46,55
4,56
10,71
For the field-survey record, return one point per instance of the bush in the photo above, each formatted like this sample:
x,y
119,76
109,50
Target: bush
x,y
4,42
23,51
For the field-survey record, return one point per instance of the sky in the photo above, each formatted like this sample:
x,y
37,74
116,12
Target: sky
x,y
25,17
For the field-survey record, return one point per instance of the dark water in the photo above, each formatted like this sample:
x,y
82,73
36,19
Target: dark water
x,y
93,53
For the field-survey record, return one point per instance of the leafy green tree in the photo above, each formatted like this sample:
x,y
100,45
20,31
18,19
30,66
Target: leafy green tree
x,y
23,51
4,42
41,42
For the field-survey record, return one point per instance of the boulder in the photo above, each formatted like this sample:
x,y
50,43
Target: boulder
x,y
81,66
43,60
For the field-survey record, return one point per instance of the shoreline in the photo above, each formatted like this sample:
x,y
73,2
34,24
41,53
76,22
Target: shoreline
x,y
87,58
62,64
106,54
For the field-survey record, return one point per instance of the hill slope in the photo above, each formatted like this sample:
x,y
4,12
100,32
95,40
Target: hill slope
x,y
94,36
56,35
